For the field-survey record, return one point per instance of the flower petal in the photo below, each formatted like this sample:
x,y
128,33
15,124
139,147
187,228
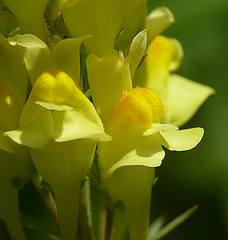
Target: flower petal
x,y
98,18
5,145
181,140
36,133
29,13
36,54
157,127
7,21
64,166
108,78
53,106
157,21
146,152
178,54
79,123
13,72
132,186
108,22
183,99
133,15
67,57
155,69
130,150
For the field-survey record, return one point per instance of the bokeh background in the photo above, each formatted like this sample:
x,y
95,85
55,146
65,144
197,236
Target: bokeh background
x,y
199,176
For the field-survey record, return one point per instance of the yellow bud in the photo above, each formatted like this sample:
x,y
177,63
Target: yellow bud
x,y
142,106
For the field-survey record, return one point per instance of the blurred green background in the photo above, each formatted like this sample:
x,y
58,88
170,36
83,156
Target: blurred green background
x,y
199,176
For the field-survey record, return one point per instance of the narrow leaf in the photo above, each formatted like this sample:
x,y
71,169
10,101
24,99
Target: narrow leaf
x,y
173,224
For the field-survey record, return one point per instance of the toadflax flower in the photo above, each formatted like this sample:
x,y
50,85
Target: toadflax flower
x,y
16,167
127,162
135,123
59,125
181,97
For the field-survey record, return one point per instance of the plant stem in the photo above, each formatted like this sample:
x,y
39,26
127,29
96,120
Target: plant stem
x,y
102,218
48,199
50,203
85,221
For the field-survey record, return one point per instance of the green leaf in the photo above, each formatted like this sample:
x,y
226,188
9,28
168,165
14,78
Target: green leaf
x,y
156,226
173,224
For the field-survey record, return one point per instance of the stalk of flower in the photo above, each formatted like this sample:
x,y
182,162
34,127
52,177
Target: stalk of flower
x,y
29,15
61,128
15,165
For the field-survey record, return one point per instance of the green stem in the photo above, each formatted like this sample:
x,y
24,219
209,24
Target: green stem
x,y
11,213
102,218
50,203
47,197
85,221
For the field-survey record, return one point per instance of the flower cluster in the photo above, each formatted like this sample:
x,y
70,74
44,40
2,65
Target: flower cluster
x,y
51,129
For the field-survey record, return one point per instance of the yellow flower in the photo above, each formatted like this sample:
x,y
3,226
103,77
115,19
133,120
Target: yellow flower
x,y
181,97
127,162
138,134
136,119
62,128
